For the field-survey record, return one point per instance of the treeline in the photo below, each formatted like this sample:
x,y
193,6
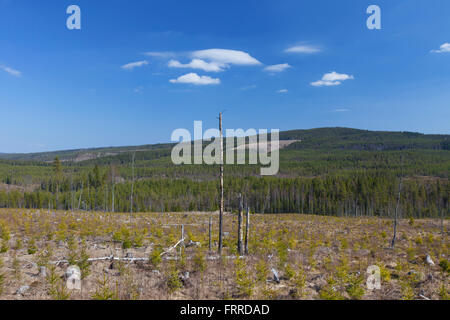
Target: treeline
x,y
360,195
330,171
293,163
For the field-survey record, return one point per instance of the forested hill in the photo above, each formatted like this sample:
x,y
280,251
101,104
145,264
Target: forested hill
x,y
78,155
321,138
354,139
331,171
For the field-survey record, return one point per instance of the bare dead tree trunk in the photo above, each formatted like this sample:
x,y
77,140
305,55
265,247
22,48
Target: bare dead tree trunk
x,y
443,209
57,196
221,187
71,192
240,216
440,215
210,234
81,193
105,198
132,184
247,230
183,245
89,196
113,183
394,238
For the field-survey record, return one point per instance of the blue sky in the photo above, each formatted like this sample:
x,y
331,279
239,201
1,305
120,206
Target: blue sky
x,y
137,70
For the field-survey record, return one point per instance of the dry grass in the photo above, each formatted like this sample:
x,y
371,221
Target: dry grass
x,y
316,257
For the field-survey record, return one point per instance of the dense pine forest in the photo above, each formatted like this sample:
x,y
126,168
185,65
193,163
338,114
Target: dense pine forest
x,y
328,171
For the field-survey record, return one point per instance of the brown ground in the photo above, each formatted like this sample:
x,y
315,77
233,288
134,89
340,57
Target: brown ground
x,y
316,257
12,187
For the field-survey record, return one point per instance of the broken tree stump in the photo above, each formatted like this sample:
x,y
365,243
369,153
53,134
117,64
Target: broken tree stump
x,y
240,242
247,230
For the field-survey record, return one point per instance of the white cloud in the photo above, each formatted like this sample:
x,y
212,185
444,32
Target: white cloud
x,y
199,64
132,65
331,79
334,76
250,87
11,71
302,49
443,48
138,89
341,110
160,54
195,79
277,67
322,83
225,57
282,91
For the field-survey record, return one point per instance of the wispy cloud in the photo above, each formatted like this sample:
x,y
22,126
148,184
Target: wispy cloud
x,y
225,56
138,89
277,68
443,48
250,87
282,91
322,83
308,49
132,65
193,78
160,54
199,64
332,79
209,60
341,110
11,71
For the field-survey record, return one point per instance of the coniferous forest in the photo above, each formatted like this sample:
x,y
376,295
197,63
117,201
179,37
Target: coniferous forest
x,y
328,171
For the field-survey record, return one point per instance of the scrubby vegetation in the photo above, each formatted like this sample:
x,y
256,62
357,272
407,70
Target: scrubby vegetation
x,y
315,257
